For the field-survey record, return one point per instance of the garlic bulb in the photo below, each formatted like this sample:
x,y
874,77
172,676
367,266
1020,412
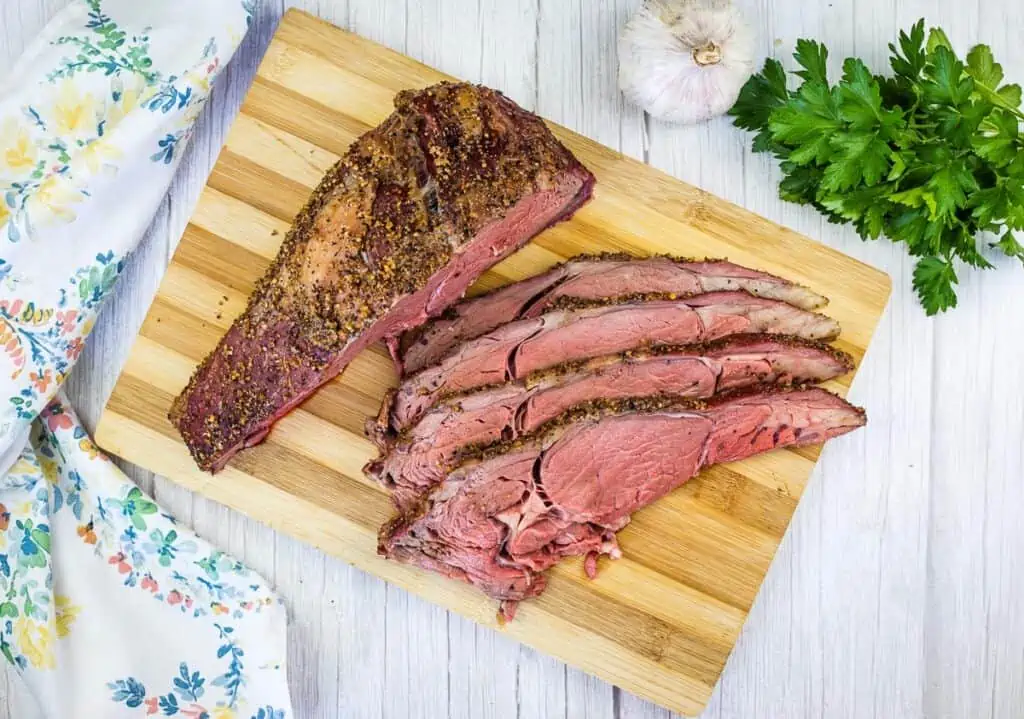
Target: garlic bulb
x,y
685,60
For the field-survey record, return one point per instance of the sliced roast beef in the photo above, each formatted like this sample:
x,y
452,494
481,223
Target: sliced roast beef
x,y
418,459
499,521
515,350
456,179
588,278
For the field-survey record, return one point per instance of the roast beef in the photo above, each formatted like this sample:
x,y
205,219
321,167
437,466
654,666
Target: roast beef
x,y
416,460
500,520
515,350
587,278
456,179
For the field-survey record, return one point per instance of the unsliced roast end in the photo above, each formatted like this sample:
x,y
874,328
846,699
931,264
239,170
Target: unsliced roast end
x,y
294,336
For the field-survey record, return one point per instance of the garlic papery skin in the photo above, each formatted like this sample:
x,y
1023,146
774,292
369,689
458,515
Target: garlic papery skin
x,y
685,60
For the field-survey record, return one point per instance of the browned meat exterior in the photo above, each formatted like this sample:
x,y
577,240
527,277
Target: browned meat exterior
x,y
518,349
499,521
418,459
588,278
452,182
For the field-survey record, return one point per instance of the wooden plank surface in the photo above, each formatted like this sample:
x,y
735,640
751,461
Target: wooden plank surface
x,y
893,593
660,622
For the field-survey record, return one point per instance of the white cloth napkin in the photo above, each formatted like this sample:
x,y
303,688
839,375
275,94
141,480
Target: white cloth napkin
x,y
107,607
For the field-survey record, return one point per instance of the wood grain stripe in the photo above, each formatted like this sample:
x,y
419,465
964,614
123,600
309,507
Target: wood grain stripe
x,y
298,160
337,88
302,117
235,176
626,625
239,223
358,55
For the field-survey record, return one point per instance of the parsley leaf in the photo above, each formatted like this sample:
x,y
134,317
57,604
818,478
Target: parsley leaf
x,y
813,58
807,124
1010,95
860,96
950,185
760,95
931,156
911,62
934,278
1010,247
860,157
982,66
998,138
945,83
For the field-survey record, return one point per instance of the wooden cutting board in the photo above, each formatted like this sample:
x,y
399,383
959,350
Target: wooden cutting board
x,y
661,621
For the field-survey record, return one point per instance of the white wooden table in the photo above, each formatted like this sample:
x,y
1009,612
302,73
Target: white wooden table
x,y
896,592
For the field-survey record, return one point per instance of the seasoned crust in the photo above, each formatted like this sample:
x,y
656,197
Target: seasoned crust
x,y
391,214
379,429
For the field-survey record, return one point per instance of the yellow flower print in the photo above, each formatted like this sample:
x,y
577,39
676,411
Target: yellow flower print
x,y
35,641
223,712
51,200
4,212
67,613
49,468
73,113
91,450
94,154
22,466
199,79
129,98
19,152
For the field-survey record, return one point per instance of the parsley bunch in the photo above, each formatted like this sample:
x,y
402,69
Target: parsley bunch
x,y
931,156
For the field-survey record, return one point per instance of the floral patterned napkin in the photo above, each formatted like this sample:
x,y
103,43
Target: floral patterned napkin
x,y
107,607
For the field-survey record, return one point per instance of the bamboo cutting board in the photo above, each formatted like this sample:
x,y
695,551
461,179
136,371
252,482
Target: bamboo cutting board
x,y
661,621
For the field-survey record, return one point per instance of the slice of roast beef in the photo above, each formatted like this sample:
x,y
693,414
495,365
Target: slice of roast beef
x,y
499,521
416,460
515,350
456,179
587,278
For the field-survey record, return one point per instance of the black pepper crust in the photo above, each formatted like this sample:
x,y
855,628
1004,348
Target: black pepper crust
x,y
379,427
452,312
411,336
731,342
596,409
392,213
